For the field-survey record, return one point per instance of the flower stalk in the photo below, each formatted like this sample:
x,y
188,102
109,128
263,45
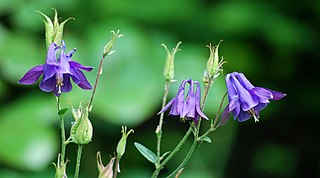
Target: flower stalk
x,y
76,173
107,51
63,134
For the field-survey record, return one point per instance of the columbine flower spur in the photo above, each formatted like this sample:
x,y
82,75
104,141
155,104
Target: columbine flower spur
x,y
57,72
188,107
246,100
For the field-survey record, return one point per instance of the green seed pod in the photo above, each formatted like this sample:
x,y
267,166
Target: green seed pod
x,y
107,50
168,71
54,30
81,130
121,147
60,168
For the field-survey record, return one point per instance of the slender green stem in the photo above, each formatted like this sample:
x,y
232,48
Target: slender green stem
x,y
185,160
97,81
63,135
170,156
116,166
159,127
213,126
76,173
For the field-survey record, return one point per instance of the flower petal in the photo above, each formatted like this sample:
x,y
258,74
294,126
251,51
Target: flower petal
x,y
243,80
48,71
243,116
48,85
262,95
63,64
51,55
276,95
32,75
225,116
80,66
81,80
167,106
246,99
198,99
67,86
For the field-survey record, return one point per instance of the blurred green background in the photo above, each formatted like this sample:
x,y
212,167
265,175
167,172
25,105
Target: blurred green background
x,y
275,43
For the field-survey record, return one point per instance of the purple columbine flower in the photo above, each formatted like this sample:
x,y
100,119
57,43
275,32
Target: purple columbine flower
x,y
57,72
186,107
246,100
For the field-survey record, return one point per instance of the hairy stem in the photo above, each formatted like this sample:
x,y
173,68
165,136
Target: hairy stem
x,y
63,135
185,160
170,156
76,173
116,167
97,81
159,127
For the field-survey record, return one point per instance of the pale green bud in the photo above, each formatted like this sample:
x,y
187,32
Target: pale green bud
x,y
214,66
107,50
60,168
121,147
81,131
168,71
54,30
105,171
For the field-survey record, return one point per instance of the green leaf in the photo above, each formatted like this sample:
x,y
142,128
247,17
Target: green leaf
x,y
146,153
62,111
207,139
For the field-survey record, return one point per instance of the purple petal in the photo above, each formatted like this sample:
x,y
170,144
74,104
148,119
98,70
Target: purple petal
x,y
224,117
67,86
232,92
70,53
167,106
234,103
179,104
246,99
63,64
198,99
80,79
48,71
243,116
32,75
48,85
262,94
51,55
244,81
80,66
260,106
276,95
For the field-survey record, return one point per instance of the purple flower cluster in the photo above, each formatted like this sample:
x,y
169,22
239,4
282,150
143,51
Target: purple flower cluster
x,y
186,107
57,72
246,100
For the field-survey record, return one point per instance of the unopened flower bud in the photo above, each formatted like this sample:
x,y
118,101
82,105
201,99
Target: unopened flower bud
x,y
60,168
105,171
168,71
54,30
108,47
81,130
214,66
121,147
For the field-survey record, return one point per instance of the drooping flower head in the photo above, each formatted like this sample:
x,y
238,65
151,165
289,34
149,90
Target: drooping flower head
x,y
57,72
186,107
246,100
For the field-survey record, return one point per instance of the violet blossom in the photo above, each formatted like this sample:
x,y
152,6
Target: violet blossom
x,y
246,100
186,107
57,72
